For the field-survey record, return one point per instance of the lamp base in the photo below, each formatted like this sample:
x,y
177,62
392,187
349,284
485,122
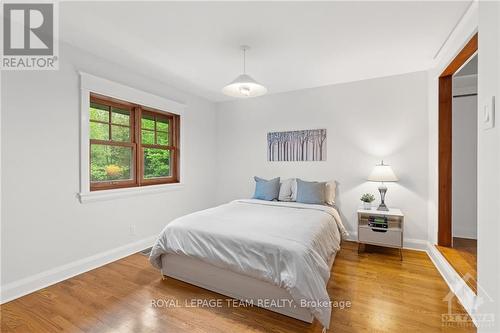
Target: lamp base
x,y
383,207
382,189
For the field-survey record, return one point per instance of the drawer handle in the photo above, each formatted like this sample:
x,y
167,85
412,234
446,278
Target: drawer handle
x,y
378,230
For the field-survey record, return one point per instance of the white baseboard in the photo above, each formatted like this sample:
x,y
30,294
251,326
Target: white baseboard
x,y
462,291
44,279
415,244
464,233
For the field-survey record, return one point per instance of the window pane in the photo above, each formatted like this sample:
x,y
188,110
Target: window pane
x,y
119,116
148,121
156,163
162,138
99,131
162,124
148,137
99,112
109,163
120,133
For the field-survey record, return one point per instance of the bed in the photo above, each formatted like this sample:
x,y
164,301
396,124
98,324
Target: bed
x,y
276,255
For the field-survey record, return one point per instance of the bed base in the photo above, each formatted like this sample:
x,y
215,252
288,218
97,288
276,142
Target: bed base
x,y
234,285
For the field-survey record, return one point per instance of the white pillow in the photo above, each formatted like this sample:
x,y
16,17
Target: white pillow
x,y
288,190
330,192
294,189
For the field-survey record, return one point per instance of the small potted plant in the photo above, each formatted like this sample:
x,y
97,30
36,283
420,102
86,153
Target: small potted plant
x,y
367,200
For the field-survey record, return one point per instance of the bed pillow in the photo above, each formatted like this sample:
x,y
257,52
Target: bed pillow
x,y
311,192
288,190
330,188
266,189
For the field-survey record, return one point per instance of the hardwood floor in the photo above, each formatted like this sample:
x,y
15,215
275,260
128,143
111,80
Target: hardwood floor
x,y
469,249
387,295
463,258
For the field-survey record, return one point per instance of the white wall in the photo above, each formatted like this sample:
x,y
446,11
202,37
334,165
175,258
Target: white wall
x,y
365,121
489,164
462,33
460,36
44,226
464,166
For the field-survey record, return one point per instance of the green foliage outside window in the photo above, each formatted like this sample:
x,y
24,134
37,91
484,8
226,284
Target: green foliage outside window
x,y
156,163
110,162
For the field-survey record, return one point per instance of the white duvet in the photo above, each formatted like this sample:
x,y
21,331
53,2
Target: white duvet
x,y
287,244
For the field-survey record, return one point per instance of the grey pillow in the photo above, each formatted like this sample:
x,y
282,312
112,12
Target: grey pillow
x,y
310,192
266,189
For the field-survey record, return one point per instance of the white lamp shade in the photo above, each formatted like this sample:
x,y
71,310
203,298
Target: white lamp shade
x,y
244,86
383,173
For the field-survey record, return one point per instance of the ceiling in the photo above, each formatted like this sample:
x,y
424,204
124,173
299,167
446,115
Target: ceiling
x,y
194,46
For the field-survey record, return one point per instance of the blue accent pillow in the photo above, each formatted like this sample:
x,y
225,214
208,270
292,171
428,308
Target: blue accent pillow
x,y
310,192
266,189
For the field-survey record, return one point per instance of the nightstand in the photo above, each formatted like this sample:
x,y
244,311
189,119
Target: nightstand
x,y
392,236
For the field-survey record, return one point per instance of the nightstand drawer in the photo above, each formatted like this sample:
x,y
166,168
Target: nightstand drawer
x,y
387,238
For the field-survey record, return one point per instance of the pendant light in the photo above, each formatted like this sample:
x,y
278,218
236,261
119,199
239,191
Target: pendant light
x,y
244,86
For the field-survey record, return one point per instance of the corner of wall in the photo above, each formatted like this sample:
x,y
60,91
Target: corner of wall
x,y
464,30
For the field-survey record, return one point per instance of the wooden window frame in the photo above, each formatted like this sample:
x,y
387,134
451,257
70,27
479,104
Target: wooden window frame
x,y
173,140
136,112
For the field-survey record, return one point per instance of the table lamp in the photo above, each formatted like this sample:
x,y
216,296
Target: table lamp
x,y
382,173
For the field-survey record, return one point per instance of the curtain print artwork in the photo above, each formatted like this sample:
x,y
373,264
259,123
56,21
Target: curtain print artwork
x,y
306,145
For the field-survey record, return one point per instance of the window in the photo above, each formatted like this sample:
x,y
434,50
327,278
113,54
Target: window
x,y
131,145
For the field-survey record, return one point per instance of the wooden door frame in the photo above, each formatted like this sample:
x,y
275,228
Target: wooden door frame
x,y
445,141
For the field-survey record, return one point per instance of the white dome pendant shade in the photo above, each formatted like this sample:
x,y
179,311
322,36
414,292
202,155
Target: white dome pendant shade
x,y
244,86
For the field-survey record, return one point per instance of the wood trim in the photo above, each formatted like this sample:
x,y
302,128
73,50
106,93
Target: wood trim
x,y
173,178
108,123
152,111
138,139
144,145
157,181
176,142
110,101
112,143
173,147
135,125
96,186
99,121
445,161
445,141
113,103
461,58
120,125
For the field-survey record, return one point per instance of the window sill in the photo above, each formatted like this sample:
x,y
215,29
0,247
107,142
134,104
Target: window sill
x,y
103,195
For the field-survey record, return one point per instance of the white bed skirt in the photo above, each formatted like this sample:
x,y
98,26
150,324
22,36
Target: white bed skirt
x,y
234,285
